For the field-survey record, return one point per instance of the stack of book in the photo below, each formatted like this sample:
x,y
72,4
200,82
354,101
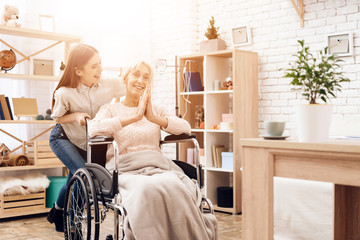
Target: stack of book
x,y
5,109
216,154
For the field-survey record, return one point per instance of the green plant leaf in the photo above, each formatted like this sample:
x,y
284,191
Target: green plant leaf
x,y
316,78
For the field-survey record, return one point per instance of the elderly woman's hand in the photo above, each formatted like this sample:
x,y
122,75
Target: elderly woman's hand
x,y
142,105
149,113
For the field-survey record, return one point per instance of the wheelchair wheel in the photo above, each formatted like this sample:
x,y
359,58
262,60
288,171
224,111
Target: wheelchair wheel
x,y
81,220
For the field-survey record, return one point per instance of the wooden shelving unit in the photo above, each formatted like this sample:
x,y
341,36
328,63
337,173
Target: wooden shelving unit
x,y
56,39
242,101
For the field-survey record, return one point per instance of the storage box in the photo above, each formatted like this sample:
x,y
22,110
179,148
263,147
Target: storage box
x,y
227,160
14,204
225,196
43,67
40,153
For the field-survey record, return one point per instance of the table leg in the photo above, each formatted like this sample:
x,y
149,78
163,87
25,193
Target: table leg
x,y
258,194
346,212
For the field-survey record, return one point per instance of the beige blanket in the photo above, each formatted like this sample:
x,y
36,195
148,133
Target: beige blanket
x,y
161,202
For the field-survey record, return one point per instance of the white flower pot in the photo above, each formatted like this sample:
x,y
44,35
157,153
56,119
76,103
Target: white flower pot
x,y
313,122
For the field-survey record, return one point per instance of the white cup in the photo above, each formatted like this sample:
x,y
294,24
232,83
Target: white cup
x,y
274,128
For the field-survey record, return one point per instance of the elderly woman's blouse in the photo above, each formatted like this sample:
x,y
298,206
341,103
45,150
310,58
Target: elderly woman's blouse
x,y
138,136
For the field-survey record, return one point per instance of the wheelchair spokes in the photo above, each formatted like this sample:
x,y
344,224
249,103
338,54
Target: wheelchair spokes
x,y
81,209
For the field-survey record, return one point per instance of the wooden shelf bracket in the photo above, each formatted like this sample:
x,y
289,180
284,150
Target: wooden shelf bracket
x,y
299,7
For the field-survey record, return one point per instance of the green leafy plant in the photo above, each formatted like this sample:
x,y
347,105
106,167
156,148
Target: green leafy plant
x,y
316,78
212,31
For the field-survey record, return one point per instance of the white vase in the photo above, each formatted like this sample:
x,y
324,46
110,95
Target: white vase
x,y
313,122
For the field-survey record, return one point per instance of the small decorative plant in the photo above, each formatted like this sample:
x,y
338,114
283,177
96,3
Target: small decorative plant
x,y
212,31
316,78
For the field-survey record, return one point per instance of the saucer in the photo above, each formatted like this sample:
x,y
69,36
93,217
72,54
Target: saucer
x,y
274,137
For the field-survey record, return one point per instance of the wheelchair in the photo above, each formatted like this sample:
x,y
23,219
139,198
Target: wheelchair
x,y
94,185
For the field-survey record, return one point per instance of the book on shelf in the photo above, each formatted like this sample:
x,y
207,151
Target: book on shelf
x,y
8,103
216,151
218,155
1,113
5,107
192,81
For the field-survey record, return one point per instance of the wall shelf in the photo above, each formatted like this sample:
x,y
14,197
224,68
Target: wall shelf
x,y
28,121
29,167
299,7
30,33
29,77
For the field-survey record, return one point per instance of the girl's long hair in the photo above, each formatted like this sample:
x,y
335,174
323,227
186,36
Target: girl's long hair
x,y
78,57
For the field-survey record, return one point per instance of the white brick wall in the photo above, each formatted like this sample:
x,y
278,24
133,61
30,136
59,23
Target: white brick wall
x,y
275,31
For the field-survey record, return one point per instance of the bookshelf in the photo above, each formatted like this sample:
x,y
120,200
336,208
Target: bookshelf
x,y
241,101
8,39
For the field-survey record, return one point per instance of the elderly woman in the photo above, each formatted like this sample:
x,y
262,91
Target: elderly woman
x,y
161,201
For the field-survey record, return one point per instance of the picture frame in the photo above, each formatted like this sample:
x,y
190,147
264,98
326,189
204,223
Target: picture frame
x,y
25,107
340,44
46,23
241,36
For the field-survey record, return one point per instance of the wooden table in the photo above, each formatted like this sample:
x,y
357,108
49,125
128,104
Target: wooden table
x,y
337,161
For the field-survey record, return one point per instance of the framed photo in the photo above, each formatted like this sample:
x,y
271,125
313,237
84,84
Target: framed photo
x,y
241,36
340,44
25,107
46,23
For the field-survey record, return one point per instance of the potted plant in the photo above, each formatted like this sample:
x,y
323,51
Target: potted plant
x,y
317,79
213,42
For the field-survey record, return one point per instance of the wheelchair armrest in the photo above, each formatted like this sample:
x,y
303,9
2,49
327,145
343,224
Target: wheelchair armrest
x,y
98,139
177,138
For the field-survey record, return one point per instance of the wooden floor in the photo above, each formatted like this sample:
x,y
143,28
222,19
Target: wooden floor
x,y
36,227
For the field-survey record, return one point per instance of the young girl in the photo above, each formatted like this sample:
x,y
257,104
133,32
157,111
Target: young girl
x,y
80,94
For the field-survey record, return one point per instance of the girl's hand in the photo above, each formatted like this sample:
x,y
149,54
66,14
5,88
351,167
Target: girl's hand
x,y
80,118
